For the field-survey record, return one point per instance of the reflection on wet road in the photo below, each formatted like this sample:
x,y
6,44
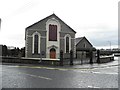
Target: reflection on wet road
x,y
27,76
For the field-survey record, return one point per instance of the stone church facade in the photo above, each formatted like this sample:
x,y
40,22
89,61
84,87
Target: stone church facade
x,y
47,37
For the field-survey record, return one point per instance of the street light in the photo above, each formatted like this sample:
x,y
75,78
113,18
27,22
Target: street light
x,y
110,44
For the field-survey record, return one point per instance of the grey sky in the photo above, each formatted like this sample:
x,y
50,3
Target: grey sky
x,y
95,19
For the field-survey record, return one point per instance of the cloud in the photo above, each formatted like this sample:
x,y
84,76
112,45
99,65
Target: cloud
x,y
97,20
100,35
101,39
27,6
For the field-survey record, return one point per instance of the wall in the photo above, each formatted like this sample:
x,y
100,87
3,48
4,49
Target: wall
x,y
42,28
30,41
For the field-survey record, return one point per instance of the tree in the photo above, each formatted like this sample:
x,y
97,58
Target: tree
x,y
17,51
23,52
4,50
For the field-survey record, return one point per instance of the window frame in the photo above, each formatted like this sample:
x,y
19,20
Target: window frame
x,y
52,31
33,43
67,35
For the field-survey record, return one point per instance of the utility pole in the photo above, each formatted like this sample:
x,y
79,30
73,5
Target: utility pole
x,y
110,44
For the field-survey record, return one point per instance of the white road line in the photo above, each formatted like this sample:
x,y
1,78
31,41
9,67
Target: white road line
x,y
104,72
96,87
109,73
90,86
96,72
63,69
45,77
14,84
12,66
40,67
50,68
93,87
38,76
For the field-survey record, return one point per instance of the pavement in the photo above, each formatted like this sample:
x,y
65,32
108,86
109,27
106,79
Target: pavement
x,y
69,67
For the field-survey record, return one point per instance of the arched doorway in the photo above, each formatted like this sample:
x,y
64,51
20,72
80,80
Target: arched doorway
x,y
52,53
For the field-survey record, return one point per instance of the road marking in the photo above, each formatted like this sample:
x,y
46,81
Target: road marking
x,y
38,76
109,73
49,68
65,69
103,72
12,66
90,86
14,84
93,87
95,72
96,87
62,69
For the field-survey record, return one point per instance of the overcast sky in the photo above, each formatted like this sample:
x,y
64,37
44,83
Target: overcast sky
x,y
97,20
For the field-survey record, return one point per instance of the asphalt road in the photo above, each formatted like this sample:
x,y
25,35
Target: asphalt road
x,y
14,76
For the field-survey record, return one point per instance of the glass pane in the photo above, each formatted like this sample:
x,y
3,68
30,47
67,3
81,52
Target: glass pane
x,y
36,44
67,44
52,32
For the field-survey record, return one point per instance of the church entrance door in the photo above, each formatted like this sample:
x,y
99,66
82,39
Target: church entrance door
x,y
52,53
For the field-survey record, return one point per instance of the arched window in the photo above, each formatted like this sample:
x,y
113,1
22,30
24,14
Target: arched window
x,y
67,39
67,44
36,43
52,32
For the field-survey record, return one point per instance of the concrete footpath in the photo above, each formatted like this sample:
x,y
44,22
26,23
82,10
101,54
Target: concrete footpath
x,y
70,67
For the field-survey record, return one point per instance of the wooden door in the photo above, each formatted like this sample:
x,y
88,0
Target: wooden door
x,y
52,53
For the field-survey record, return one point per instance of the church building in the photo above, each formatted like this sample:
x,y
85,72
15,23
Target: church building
x,y
47,37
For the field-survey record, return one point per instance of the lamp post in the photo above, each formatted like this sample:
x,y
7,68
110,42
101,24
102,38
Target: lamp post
x,y
110,44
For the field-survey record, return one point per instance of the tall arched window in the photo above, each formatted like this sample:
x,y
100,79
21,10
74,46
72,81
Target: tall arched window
x,y
36,43
52,32
67,39
67,44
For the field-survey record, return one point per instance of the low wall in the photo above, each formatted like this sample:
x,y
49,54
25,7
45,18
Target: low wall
x,y
105,59
18,60
29,61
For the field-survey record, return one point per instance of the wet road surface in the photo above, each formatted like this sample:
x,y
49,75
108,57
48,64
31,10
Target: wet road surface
x,y
14,76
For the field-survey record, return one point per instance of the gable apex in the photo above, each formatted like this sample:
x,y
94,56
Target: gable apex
x,y
52,16
79,39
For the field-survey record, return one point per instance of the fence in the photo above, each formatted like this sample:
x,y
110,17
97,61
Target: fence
x,y
93,57
90,58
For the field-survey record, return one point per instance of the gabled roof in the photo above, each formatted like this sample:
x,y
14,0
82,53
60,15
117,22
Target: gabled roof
x,y
47,18
79,39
